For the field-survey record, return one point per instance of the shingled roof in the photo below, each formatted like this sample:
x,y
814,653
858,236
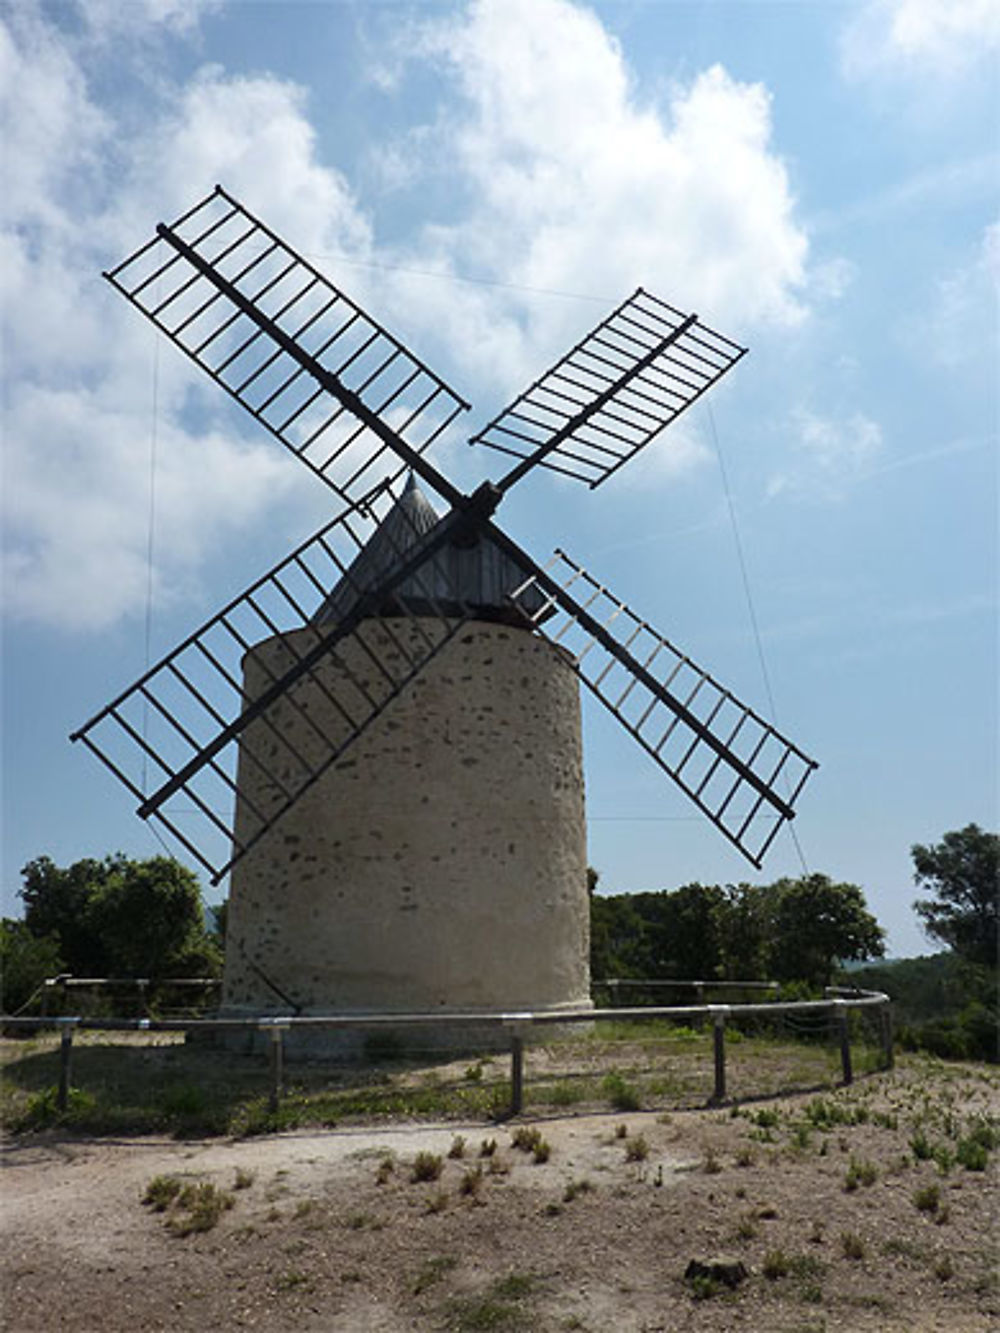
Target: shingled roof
x,y
457,579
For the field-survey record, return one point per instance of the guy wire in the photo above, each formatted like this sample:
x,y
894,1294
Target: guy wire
x,y
751,609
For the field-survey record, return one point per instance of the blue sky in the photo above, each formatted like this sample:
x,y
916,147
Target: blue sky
x,y
817,180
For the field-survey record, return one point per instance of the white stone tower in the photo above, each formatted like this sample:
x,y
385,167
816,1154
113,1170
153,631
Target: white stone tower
x,y
441,865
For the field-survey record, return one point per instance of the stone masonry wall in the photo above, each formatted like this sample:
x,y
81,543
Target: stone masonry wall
x,y
442,861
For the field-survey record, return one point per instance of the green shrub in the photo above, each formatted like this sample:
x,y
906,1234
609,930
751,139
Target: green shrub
x,y
41,1110
860,1173
971,1154
426,1166
198,1207
161,1192
852,1245
921,1147
776,1264
621,1094
526,1138
471,1181
637,1149
928,1198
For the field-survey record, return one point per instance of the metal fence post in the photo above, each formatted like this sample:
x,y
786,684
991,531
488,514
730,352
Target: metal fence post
x,y
699,998
516,1072
842,1015
276,1055
888,1051
719,1013
65,1062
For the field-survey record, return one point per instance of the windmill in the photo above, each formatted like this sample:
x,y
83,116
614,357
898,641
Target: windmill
x,y
396,634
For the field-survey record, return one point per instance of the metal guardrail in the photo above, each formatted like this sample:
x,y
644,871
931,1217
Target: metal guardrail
x,y
838,1005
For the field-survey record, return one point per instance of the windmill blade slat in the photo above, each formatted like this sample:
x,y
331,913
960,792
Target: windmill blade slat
x,y
736,767
174,736
646,349
240,303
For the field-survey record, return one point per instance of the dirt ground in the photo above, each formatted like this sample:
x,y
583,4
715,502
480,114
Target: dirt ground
x,y
816,1196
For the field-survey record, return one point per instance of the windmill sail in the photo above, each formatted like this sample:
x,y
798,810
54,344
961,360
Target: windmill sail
x,y
173,737
357,407
334,386
736,767
613,393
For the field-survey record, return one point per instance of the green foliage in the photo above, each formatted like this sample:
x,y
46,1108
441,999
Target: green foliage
x,y
26,960
860,1172
41,1110
161,1192
148,917
198,1207
432,1271
921,1146
794,930
852,1245
426,1166
971,1154
620,1093
928,1198
704,1288
818,923
120,917
961,872
776,1264
56,905
637,1149
219,921
526,1138
942,1004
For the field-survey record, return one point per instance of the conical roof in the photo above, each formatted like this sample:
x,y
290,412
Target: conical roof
x,y
476,577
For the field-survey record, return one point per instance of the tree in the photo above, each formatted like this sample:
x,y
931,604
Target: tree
x,y
149,919
616,937
792,930
682,932
746,927
817,924
219,914
962,872
25,961
120,916
56,903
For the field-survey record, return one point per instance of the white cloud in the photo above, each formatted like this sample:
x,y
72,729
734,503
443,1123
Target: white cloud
x,y
565,179
78,415
829,453
574,183
52,132
112,18
957,326
76,531
937,37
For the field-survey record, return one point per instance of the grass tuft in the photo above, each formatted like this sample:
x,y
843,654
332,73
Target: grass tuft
x,y
852,1245
928,1198
622,1095
426,1166
636,1149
